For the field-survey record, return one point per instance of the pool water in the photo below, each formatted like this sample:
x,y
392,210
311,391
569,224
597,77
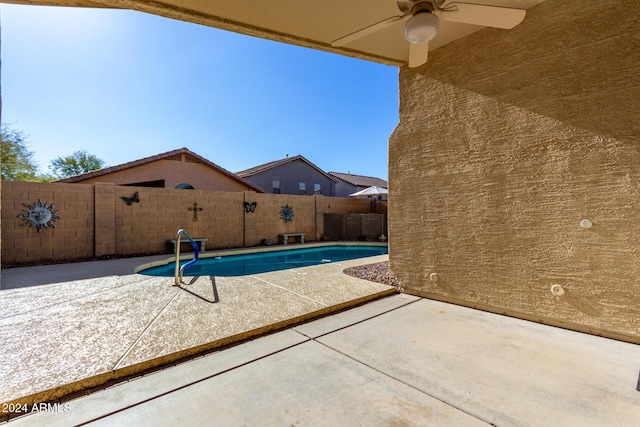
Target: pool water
x,y
262,262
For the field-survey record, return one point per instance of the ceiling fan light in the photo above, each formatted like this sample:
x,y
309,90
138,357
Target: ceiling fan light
x,y
421,28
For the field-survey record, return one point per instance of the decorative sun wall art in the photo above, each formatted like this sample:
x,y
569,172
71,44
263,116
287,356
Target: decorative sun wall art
x,y
39,215
286,213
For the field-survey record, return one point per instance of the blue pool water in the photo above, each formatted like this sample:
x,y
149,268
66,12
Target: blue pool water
x,y
262,262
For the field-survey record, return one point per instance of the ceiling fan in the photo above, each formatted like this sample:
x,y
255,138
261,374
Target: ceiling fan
x,y
422,20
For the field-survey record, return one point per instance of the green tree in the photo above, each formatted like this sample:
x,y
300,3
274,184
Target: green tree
x,y
79,162
18,163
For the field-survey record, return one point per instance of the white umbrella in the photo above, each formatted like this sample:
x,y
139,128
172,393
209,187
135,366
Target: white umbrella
x,y
374,190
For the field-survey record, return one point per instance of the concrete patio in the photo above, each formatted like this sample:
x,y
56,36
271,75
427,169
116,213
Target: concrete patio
x,y
68,336
399,360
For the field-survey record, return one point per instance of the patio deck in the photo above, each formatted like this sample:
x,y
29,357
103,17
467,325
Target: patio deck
x,y
65,337
399,360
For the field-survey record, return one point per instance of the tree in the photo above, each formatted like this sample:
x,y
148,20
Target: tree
x,y
18,163
79,162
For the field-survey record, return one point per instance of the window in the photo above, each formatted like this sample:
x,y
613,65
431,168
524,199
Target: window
x,y
152,184
275,185
303,188
185,186
317,189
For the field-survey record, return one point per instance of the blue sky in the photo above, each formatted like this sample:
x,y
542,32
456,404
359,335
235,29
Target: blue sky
x,y
125,85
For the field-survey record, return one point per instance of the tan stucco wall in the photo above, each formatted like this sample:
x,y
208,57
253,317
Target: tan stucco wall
x,y
174,172
506,141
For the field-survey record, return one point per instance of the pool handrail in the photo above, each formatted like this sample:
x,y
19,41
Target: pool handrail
x,y
180,270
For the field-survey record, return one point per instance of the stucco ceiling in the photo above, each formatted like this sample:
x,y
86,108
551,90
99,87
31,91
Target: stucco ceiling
x,y
309,23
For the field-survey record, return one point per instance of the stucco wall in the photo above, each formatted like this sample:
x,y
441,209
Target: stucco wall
x,y
506,141
173,172
290,175
343,189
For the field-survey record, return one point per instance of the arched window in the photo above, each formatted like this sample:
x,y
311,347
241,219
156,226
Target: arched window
x,y
185,186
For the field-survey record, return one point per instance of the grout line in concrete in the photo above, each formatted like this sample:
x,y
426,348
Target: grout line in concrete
x,y
126,353
290,291
255,359
357,322
404,382
98,292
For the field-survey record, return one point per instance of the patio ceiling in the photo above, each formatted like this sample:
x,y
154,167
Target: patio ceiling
x,y
310,23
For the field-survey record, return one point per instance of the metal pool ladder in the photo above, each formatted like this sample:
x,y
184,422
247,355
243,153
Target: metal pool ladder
x,y
180,270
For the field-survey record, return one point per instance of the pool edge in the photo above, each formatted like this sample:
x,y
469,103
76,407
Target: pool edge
x,y
255,249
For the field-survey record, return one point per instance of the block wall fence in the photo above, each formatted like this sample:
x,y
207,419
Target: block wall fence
x,y
95,220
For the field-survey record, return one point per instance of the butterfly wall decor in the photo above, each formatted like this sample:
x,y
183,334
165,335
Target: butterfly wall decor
x,y
133,199
250,207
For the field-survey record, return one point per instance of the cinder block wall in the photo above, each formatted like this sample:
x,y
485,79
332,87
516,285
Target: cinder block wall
x,y
506,141
73,236
145,227
95,219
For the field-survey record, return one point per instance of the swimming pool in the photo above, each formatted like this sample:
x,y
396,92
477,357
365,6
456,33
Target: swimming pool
x,y
262,262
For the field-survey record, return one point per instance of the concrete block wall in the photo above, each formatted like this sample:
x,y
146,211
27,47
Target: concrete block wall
x,y
144,227
95,219
73,236
265,222
308,215
507,140
105,221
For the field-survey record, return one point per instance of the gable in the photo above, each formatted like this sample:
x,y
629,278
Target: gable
x,y
296,163
179,168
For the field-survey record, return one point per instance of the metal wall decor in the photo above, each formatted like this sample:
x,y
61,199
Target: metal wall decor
x,y
195,210
250,207
133,199
39,215
286,213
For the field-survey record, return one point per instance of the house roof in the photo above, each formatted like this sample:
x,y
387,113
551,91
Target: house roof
x,y
170,155
359,180
270,165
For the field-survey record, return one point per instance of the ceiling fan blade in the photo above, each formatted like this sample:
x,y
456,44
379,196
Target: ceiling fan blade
x,y
477,14
368,30
418,53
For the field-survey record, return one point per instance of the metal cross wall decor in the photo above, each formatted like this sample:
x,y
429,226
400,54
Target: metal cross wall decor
x,y
195,210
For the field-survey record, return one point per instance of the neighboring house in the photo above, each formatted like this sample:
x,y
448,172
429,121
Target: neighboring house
x,y
175,169
348,184
291,175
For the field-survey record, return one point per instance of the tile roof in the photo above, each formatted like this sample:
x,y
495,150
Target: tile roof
x,y
360,180
270,165
170,155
